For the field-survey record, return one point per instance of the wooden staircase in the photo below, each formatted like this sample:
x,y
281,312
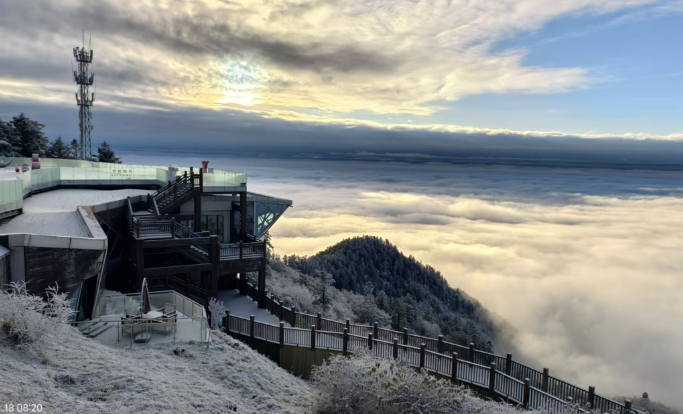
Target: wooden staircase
x,y
174,194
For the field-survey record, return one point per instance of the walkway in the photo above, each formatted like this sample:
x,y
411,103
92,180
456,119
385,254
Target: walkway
x,y
244,307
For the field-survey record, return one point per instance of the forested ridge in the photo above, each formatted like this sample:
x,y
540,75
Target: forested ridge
x,y
410,293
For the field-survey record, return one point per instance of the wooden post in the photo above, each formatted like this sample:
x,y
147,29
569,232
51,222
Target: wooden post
x,y
279,304
262,284
282,334
140,262
293,323
591,397
492,378
370,341
440,344
544,383
215,261
422,355
312,337
527,392
627,406
252,324
243,283
375,330
508,364
226,321
454,367
345,342
471,352
243,216
201,180
319,321
395,348
198,208
348,325
405,336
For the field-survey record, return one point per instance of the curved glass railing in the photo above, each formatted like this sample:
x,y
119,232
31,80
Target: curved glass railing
x,y
57,172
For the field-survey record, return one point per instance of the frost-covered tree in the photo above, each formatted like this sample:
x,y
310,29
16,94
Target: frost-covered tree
x,y
321,289
217,310
364,383
8,140
58,149
106,154
420,299
30,319
31,139
270,250
644,403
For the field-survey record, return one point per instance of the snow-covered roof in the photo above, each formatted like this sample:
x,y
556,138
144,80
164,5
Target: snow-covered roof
x,y
70,199
51,224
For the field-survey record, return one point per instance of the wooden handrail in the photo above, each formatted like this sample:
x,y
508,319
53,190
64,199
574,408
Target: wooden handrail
x,y
155,207
480,371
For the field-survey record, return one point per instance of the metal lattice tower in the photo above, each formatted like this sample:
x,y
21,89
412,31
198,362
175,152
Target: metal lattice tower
x,y
84,99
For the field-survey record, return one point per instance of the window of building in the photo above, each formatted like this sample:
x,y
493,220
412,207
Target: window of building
x,y
214,224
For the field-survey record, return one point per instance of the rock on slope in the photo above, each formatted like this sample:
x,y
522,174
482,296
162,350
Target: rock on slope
x,y
77,374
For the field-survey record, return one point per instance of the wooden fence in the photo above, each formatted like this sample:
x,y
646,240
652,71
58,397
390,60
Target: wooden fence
x,y
497,376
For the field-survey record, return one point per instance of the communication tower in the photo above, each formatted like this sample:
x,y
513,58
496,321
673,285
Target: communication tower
x,y
84,99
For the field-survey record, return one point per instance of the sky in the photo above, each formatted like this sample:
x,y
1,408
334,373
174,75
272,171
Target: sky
x,y
531,150
436,71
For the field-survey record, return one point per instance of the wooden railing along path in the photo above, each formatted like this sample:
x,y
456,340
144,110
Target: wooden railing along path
x,y
498,376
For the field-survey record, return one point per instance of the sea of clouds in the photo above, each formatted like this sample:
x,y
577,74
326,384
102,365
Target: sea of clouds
x,y
584,266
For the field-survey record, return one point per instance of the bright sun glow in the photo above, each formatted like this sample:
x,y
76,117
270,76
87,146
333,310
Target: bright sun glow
x,y
245,98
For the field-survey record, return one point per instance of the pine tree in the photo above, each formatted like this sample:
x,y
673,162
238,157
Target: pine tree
x,y
31,140
8,140
58,149
270,250
106,154
323,282
74,148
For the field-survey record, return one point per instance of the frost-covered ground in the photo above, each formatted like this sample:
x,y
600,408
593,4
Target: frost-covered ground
x,y
77,374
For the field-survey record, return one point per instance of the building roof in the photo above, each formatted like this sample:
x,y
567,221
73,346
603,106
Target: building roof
x,y
69,199
54,213
52,224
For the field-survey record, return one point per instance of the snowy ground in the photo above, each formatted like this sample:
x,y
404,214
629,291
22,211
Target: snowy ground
x,y
78,374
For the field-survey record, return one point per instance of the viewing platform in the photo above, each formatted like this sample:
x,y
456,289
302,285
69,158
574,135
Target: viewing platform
x,y
87,226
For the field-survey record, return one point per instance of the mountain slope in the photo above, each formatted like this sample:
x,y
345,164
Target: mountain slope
x,y
402,286
77,374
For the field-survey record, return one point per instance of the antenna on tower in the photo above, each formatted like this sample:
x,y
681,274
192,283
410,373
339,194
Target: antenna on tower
x,y
84,79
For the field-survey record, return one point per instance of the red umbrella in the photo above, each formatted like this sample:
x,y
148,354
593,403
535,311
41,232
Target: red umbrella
x,y
145,305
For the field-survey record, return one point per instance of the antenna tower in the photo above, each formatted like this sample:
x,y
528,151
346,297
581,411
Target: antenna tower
x,y
84,99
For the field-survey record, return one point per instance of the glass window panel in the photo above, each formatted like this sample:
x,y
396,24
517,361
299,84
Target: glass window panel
x,y
213,225
221,228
